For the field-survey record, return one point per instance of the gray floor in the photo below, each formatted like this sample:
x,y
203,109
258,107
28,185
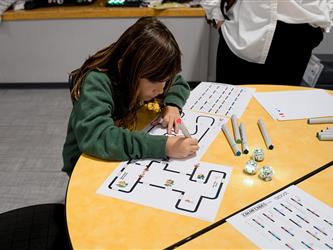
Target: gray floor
x,y
33,125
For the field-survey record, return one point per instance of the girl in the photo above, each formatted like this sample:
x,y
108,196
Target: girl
x,y
110,87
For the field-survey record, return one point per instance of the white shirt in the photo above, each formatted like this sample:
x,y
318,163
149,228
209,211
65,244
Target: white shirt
x,y
252,23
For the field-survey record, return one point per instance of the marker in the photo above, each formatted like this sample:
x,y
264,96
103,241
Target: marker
x,y
324,133
183,128
242,131
325,137
235,129
320,120
230,140
265,135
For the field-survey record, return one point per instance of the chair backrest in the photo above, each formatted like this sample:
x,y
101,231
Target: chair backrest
x,y
35,227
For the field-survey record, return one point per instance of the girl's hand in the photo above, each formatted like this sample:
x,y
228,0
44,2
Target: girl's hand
x,y
168,119
181,147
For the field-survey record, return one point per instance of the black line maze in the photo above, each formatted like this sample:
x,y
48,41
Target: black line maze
x,y
201,183
202,125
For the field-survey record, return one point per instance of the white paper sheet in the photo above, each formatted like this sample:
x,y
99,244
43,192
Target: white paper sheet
x,y
194,190
291,219
296,104
220,99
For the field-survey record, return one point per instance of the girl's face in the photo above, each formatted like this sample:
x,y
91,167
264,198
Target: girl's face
x,y
149,90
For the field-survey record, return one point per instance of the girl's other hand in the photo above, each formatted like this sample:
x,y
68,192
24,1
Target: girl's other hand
x,y
169,116
181,147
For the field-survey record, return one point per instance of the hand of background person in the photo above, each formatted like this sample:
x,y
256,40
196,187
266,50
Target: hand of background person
x,y
219,24
168,119
215,23
181,147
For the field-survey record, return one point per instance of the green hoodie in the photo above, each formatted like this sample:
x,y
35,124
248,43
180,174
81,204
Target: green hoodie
x,y
91,129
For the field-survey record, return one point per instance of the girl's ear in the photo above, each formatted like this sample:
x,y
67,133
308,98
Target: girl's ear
x,y
120,62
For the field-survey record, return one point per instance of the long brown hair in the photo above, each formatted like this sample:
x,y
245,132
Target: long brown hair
x,y
147,49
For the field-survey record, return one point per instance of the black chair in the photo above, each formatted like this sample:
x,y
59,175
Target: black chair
x,y
34,228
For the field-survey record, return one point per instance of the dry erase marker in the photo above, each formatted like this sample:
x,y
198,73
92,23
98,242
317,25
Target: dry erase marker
x,y
265,135
325,133
320,120
235,129
183,128
231,140
242,131
325,137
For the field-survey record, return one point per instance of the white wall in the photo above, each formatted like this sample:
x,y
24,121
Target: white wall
x,y
47,50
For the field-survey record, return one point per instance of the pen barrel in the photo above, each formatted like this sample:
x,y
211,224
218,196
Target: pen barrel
x,y
325,133
242,130
184,130
265,135
320,120
235,128
325,137
230,140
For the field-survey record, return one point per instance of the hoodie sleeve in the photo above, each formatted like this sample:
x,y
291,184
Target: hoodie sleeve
x,y
96,133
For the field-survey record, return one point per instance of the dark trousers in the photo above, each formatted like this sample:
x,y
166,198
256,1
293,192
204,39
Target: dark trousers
x,y
287,59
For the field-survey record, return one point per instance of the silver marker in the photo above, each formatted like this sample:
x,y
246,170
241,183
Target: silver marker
x,y
265,135
235,129
320,120
231,140
242,131
183,128
325,137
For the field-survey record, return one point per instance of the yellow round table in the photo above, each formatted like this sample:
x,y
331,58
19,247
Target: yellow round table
x,y
101,222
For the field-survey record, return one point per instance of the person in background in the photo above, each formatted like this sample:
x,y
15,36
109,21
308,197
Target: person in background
x,y
269,41
110,87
